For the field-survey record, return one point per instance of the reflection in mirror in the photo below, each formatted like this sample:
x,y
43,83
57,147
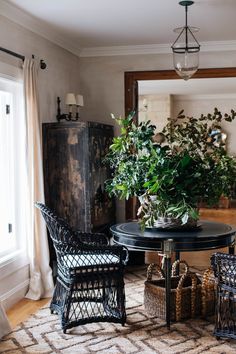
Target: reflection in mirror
x,y
168,79
160,99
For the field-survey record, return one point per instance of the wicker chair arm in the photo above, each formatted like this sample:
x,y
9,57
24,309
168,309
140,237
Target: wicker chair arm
x,y
120,251
92,238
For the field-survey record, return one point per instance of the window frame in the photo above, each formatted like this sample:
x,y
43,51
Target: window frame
x,y
16,258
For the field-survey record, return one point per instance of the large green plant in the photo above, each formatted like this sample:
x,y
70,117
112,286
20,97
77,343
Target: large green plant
x,y
183,165
129,158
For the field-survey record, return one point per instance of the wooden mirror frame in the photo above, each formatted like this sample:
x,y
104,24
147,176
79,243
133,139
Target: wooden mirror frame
x,y
131,100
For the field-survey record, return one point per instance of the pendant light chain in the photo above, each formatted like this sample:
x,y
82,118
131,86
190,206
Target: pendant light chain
x,y
186,27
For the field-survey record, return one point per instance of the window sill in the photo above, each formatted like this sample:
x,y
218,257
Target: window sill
x,y
13,262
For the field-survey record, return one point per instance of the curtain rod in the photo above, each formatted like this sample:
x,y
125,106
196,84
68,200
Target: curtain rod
x,y
43,65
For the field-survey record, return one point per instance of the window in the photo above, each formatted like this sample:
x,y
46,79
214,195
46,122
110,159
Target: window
x,y
12,167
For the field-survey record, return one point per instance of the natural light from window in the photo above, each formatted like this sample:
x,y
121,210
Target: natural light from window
x,y
13,170
7,234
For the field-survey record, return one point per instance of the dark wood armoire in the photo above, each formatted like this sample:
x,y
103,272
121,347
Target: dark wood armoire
x,y
74,174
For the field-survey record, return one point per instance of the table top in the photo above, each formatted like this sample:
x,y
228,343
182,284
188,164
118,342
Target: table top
x,y
207,235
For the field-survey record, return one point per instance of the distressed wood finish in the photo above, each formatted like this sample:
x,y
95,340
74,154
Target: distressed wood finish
x,y
66,171
74,174
102,207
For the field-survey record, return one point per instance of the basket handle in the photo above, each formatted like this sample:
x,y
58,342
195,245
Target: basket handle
x,y
160,271
150,269
206,288
179,294
176,264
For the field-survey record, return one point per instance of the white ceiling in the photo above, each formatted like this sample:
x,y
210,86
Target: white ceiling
x,y
81,24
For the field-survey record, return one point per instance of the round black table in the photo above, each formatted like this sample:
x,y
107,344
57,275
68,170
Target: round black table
x,y
206,236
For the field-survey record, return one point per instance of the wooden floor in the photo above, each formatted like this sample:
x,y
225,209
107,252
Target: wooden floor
x,y
23,309
20,311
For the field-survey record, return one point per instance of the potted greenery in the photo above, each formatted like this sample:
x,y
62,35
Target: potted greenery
x,y
173,171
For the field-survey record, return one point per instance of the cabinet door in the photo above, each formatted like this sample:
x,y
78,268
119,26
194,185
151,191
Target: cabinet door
x,y
102,206
65,151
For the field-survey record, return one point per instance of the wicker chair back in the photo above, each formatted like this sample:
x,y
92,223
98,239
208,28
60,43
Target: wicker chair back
x,y
224,267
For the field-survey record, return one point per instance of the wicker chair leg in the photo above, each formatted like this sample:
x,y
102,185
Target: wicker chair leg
x,y
121,303
57,296
66,310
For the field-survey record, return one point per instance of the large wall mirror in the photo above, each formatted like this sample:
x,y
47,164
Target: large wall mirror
x,y
157,95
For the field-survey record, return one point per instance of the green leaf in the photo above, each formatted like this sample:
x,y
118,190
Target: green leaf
x,y
121,188
185,160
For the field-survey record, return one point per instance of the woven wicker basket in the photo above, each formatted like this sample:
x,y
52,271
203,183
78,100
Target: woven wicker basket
x,y
208,293
185,299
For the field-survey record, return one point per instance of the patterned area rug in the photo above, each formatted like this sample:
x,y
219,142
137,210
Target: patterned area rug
x,y
41,333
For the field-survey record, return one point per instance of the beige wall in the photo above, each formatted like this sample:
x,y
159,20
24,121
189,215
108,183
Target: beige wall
x,y
61,75
102,82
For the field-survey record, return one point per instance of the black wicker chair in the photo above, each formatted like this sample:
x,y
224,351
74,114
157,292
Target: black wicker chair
x,y
90,285
224,267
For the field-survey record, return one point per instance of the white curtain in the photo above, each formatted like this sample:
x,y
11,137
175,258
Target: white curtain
x,y
41,283
5,327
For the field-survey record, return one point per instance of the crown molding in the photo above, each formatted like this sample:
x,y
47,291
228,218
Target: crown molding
x,y
219,46
41,28
126,50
